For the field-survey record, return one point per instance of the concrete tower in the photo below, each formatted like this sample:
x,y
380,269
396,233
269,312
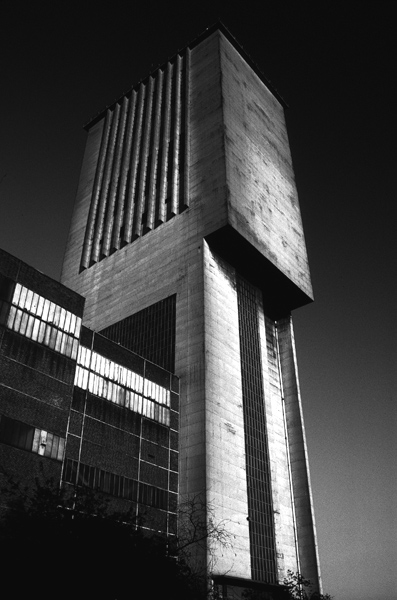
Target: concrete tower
x,y
187,243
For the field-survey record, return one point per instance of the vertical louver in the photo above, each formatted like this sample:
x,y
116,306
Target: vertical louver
x,y
140,179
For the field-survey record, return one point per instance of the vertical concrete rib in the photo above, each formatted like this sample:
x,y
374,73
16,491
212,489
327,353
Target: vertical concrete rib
x,y
307,544
165,145
96,191
124,172
155,151
129,212
287,447
115,180
186,156
105,186
176,134
144,159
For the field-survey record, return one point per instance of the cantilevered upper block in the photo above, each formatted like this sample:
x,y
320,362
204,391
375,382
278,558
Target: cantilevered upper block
x,y
241,169
202,140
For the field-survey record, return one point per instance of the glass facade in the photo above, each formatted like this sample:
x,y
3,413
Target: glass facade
x,y
116,485
107,379
23,436
149,332
44,322
116,413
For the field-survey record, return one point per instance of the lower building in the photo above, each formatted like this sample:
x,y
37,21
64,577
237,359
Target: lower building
x,y
80,409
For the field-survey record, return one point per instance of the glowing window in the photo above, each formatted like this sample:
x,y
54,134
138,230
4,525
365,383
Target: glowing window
x,y
107,379
44,321
18,434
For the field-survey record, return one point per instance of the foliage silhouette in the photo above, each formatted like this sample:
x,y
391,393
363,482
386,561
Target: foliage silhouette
x,y
72,545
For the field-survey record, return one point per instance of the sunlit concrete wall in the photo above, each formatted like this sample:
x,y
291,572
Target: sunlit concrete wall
x,y
303,504
262,198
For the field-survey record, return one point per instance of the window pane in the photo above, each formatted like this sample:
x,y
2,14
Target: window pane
x,y
42,442
106,367
61,448
57,315
24,323
72,325
22,297
112,371
11,317
55,444
78,326
46,309
35,303
47,335
36,440
17,294
101,384
68,316
29,327
48,446
51,312
52,337
85,379
36,328
40,306
63,343
62,317
68,345
74,349
58,341
28,300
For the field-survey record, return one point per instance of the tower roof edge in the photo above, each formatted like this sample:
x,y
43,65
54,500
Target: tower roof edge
x,y
217,26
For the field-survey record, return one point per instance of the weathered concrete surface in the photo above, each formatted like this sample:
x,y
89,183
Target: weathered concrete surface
x,y
262,198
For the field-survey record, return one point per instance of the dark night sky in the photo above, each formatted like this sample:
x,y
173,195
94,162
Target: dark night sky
x,y
62,63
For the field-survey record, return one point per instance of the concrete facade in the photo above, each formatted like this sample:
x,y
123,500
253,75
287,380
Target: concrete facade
x,y
240,218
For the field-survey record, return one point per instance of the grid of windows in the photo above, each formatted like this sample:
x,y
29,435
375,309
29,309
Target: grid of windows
x,y
260,508
44,321
115,485
149,332
18,434
107,379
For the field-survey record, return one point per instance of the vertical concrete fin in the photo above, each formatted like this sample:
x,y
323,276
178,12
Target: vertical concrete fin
x,y
140,205
110,212
129,212
90,229
124,172
176,137
151,209
105,185
140,179
185,136
307,544
165,145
